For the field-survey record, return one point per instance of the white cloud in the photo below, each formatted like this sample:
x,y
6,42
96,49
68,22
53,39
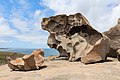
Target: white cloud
x,y
102,14
108,20
22,17
115,13
32,38
37,20
5,29
24,4
2,41
66,6
37,13
21,24
30,29
24,24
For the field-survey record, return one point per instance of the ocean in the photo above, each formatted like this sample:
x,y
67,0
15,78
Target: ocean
x,y
47,52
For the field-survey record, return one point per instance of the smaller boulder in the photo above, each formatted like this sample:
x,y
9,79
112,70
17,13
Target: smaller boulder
x,y
27,62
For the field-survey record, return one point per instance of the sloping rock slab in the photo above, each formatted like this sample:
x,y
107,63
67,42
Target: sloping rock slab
x,y
27,62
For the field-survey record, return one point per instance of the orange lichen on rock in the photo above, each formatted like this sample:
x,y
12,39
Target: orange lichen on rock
x,y
27,62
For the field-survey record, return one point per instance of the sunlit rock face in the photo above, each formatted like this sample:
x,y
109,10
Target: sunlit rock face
x,y
27,62
74,37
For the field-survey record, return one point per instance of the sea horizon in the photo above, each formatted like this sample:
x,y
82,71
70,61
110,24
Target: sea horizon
x,y
47,51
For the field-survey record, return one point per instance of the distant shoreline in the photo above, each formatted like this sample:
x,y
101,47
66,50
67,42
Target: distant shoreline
x,y
4,48
47,52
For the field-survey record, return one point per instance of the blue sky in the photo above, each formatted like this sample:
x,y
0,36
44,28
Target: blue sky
x,y
20,20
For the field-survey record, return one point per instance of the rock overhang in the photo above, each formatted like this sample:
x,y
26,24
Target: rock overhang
x,y
73,36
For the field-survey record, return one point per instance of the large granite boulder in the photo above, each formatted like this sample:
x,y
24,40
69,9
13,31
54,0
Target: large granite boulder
x,y
114,35
27,62
74,37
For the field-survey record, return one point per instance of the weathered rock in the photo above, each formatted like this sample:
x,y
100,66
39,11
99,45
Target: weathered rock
x,y
12,56
74,37
114,35
28,62
50,58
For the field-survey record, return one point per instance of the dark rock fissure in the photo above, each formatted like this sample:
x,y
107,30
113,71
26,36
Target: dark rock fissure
x,y
77,29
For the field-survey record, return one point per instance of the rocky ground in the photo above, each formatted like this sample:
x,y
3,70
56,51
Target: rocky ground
x,y
61,69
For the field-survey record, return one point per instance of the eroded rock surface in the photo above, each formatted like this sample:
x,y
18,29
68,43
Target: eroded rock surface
x,y
114,35
74,37
27,62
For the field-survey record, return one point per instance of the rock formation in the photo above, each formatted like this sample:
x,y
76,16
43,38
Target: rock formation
x,y
114,35
74,37
27,62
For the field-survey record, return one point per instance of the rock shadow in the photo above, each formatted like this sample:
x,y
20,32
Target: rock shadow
x,y
41,67
108,60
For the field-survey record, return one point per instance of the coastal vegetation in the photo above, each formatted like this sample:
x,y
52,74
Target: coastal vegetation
x,y
4,55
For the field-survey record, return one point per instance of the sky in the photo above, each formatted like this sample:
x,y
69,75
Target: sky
x,y
20,20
